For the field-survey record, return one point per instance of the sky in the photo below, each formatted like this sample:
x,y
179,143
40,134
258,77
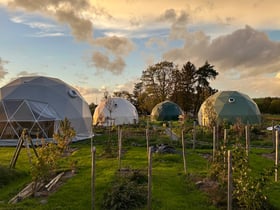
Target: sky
x,y
105,45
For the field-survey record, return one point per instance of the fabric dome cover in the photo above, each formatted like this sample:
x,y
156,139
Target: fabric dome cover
x,y
122,112
229,106
166,111
39,104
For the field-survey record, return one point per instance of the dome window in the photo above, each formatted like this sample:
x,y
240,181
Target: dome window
x,y
231,100
72,93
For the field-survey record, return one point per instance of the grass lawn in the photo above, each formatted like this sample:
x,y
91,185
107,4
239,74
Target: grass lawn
x,y
171,188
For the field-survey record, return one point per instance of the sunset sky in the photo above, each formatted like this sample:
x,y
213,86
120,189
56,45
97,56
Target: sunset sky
x,y
99,45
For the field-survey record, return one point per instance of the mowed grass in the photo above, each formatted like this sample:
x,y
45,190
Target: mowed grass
x,y
171,188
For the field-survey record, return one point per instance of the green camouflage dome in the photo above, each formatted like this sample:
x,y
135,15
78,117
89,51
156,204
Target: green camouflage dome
x,y
230,107
166,111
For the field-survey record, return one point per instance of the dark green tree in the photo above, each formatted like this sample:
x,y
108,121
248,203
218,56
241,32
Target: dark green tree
x,y
92,107
202,86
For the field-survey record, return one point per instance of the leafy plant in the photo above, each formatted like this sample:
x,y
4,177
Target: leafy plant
x,y
64,135
127,192
45,165
248,190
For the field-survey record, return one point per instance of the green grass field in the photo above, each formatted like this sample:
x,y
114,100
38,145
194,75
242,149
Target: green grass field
x,y
171,188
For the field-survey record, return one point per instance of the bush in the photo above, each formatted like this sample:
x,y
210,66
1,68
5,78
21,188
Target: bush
x,y
127,192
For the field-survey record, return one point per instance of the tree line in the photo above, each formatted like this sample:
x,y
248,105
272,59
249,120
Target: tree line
x,y
268,105
187,86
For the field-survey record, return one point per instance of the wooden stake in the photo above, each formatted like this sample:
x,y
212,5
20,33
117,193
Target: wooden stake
x,y
150,179
194,134
93,151
229,196
225,136
247,133
276,154
147,140
120,145
184,152
214,142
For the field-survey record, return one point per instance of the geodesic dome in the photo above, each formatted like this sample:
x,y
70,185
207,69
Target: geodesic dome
x,y
115,111
166,111
230,107
39,104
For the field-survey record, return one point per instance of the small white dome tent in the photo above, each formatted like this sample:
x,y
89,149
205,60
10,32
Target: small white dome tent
x,y
115,111
229,106
39,104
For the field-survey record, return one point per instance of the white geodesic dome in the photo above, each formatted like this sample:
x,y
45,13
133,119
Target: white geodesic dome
x,y
115,111
39,104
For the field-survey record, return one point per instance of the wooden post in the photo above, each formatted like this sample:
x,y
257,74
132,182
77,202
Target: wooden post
x,y
16,154
225,136
229,194
184,152
276,154
194,134
247,133
273,136
147,141
150,179
120,145
93,151
214,142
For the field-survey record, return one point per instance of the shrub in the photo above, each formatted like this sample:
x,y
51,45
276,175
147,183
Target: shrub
x,y
248,190
127,192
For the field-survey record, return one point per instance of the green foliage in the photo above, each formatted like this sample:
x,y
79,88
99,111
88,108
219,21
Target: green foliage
x,y
249,190
64,135
127,192
188,87
45,165
268,105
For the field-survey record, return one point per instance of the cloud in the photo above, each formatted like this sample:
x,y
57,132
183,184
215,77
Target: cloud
x,y
102,61
3,71
91,95
26,73
127,86
116,45
45,29
246,50
255,87
64,11
82,29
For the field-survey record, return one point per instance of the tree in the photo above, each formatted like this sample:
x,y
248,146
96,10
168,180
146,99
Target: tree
x,y
202,87
92,107
183,94
123,94
274,107
188,87
64,135
158,82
